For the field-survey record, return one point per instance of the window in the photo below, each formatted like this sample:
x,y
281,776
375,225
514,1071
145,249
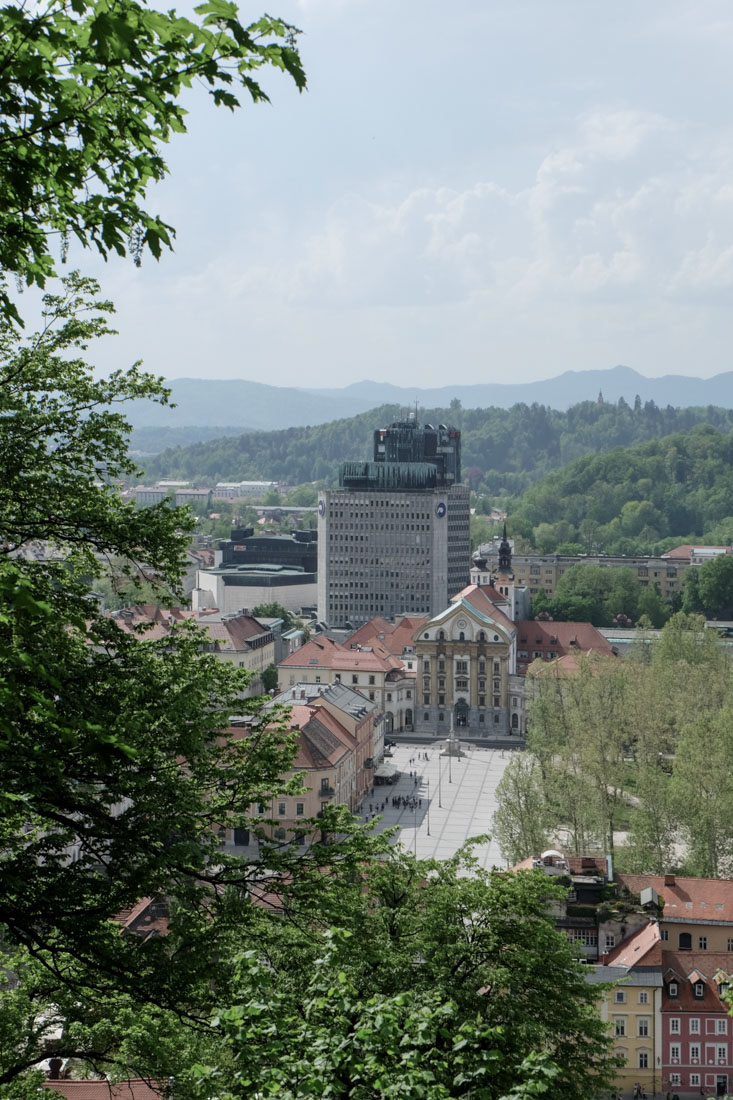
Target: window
x,y
643,1060
300,837
281,809
586,936
643,1022
694,1051
665,933
694,1078
354,679
674,1051
299,809
260,807
371,680
619,1026
643,997
699,990
461,667
674,1026
241,835
694,1026
672,989
619,996
721,1027
389,696
702,943
325,784
722,1054
674,1078
318,679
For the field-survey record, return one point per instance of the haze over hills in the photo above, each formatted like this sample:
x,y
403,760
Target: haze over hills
x,y
238,405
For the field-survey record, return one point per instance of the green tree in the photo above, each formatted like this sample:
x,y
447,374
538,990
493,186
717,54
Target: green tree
x,y
480,996
275,611
521,823
116,770
270,678
715,586
91,89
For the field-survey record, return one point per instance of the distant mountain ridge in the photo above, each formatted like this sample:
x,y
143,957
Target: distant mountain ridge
x,y
251,406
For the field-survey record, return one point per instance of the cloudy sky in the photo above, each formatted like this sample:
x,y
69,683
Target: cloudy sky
x,y
483,190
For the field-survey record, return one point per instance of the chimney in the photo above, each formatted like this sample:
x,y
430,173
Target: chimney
x,y
604,958
669,880
54,1068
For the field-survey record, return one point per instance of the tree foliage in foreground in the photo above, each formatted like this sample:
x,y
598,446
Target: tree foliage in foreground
x,y
115,767
439,980
90,90
641,747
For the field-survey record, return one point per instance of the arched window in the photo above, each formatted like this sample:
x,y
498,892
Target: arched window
x,y
441,635
462,636
481,636
515,721
685,941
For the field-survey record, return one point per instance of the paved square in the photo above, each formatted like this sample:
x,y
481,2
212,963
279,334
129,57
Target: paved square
x,y
454,799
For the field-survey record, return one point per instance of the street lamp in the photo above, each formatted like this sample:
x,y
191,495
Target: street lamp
x,y
440,768
428,807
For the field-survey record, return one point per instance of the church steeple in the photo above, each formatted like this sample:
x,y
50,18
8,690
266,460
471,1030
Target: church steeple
x,y
505,554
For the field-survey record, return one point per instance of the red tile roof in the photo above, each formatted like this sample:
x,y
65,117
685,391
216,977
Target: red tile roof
x,y
476,596
689,899
557,641
392,636
325,653
135,1089
322,740
688,967
685,550
644,948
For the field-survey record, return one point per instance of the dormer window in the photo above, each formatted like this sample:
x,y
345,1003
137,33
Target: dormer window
x,y
672,989
699,990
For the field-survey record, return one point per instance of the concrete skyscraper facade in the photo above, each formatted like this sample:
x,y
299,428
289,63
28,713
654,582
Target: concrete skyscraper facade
x,y
394,538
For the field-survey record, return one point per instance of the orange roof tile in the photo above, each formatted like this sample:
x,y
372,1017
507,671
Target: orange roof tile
x,y
475,595
644,948
391,636
325,653
135,1089
689,899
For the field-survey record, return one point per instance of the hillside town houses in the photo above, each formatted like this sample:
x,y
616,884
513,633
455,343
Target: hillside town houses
x,y
411,638
665,942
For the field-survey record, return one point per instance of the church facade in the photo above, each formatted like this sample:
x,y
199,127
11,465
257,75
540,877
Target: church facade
x,y
466,659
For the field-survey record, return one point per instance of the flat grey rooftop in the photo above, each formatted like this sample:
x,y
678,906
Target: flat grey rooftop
x,y
457,800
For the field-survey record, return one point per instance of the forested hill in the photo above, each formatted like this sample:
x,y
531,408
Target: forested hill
x,y
639,499
504,450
